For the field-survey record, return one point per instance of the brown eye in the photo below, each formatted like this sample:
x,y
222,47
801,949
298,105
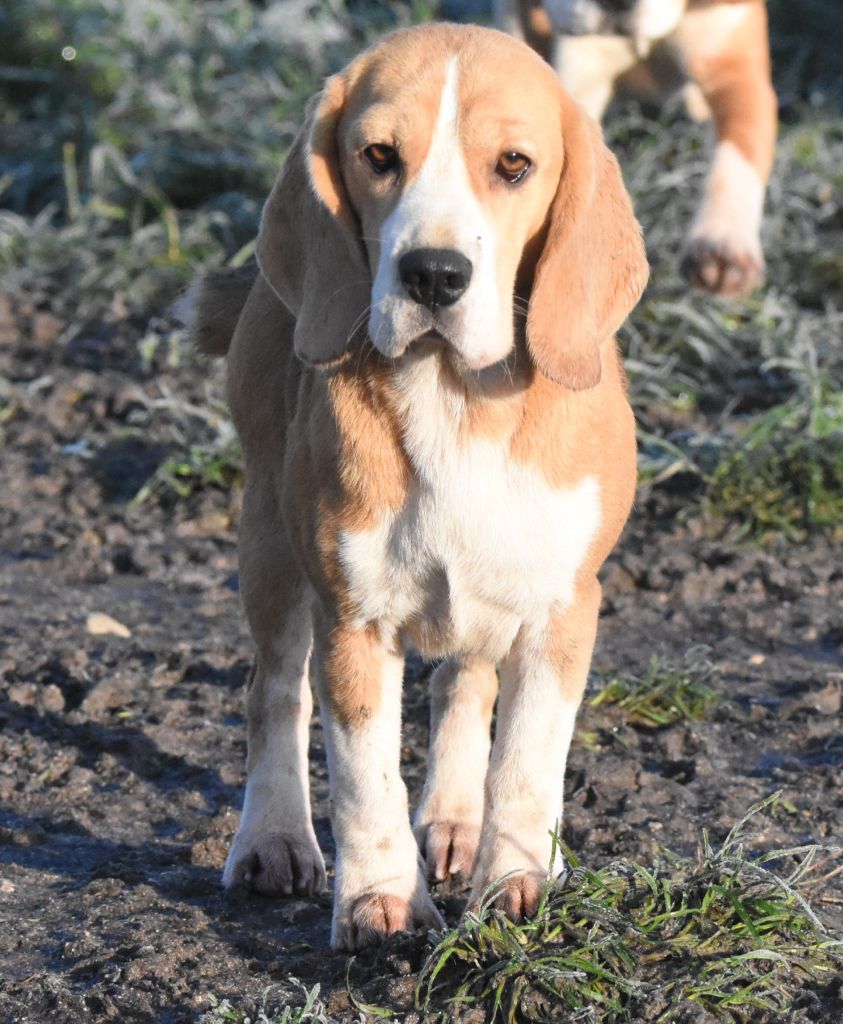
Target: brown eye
x,y
512,166
382,158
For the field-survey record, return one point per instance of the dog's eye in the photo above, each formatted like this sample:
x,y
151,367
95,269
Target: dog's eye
x,y
512,166
382,158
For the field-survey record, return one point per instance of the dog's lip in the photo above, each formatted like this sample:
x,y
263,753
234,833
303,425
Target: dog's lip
x,y
431,337
434,335
427,339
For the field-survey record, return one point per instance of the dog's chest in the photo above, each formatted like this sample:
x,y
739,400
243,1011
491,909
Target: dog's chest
x,y
481,545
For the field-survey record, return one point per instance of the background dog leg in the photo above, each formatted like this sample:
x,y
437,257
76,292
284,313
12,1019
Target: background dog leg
x,y
723,253
449,816
380,886
275,849
542,683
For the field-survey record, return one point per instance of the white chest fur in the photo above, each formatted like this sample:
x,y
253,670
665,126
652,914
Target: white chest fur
x,y
481,545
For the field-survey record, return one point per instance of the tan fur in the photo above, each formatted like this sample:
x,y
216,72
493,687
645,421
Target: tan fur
x,y
735,81
353,659
591,215
336,439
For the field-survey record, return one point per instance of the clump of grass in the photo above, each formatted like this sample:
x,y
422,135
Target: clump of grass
x,y
729,932
195,469
311,1012
667,692
213,461
785,475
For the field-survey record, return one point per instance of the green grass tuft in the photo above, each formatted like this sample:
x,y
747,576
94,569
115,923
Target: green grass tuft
x,y
729,932
667,693
785,474
193,470
312,1011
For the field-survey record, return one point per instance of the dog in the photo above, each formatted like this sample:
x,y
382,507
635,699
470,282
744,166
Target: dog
x,y
439,455
720,48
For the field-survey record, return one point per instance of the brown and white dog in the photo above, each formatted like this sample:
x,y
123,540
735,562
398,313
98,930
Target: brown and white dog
x,y
439,455
721,47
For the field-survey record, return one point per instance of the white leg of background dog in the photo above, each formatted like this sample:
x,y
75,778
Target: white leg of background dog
x,y
725,239
449,817
725,48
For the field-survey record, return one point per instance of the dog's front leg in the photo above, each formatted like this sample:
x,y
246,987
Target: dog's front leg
x,y
542,683
379,886
275,850
450,813
726,52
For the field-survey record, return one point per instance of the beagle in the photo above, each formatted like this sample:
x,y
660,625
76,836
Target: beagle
x,y
439,455
720,48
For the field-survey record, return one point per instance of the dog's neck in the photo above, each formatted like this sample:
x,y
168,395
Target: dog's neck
x,y
434,404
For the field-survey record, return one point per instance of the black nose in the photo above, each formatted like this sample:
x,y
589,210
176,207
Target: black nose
x,y
434,277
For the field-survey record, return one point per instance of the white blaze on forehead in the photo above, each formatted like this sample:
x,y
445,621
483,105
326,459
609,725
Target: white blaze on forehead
x,y
445,132
439,209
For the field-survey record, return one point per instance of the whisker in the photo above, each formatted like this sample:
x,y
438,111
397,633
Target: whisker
x,y
358,323
348,284
361,355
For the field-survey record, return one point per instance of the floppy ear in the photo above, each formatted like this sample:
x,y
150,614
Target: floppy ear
x,y
308,247
593,268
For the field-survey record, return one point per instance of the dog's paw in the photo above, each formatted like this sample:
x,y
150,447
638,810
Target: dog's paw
x,y
373,916
517,895
275,864
722,269
449,848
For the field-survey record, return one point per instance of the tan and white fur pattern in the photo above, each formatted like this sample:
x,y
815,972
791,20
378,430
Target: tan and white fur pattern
x,y
450,481
480,327
720,50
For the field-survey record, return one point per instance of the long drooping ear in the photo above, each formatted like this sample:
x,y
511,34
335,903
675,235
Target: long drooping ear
x,y
308,247
593,268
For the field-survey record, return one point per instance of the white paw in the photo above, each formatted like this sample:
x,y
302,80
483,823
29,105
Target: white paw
x,y
372,916
517,894
449,848
274,863
722,266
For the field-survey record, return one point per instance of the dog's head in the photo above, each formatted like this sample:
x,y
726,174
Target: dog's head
x,y
643,20
443,188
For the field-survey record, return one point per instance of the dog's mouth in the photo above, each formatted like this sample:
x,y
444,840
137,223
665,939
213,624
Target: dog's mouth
x,y
428,341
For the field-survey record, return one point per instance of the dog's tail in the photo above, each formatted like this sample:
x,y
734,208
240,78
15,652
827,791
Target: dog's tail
x,y
211,307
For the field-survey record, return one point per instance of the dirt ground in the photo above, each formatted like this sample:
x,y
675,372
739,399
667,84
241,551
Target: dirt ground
x,y
123,757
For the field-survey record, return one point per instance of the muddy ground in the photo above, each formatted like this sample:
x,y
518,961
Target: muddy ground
x,y
123,757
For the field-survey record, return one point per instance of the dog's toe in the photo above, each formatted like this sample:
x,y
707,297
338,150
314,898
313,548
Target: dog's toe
x,y
520,895
720,269
275,864
517,895
376,915
450,848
